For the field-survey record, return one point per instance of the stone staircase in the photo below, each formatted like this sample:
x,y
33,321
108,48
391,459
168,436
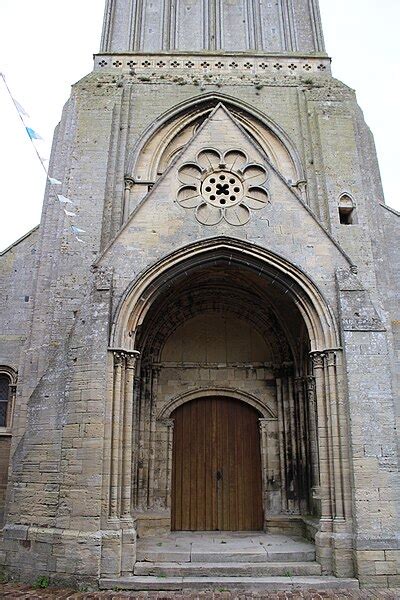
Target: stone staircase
x,y
223,561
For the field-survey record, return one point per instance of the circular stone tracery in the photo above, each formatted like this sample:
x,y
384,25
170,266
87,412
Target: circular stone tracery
x,y
222,189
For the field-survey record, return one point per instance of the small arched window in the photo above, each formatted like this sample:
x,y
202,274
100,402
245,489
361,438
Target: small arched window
x,y
5,383
347,210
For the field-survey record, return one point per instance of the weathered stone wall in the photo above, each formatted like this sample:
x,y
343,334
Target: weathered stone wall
x,y
5,443
61,451
17,276
195,25
17,273
389,279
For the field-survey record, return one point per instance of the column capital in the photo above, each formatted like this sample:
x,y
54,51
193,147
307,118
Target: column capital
x,y
327,356
318,358
330,357
119,357
299,383
310,381
131,358
129,182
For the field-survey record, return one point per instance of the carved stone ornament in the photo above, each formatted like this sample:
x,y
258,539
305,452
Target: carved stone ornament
x,y
103,279
222,187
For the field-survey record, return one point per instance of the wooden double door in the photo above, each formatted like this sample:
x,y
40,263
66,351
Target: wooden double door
x,y
216,477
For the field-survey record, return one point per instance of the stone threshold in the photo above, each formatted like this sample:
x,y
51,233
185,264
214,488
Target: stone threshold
x,y
137,583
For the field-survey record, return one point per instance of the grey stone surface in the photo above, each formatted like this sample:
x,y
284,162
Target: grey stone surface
x,y
111,335
197,25
228,583
237,569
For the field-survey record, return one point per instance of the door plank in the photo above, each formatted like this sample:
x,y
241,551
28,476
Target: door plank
x,y
211,435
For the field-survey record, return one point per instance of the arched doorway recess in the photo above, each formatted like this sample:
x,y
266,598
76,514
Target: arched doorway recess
x,y
224,315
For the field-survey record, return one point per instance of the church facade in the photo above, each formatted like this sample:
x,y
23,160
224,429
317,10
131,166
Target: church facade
x,y
221,353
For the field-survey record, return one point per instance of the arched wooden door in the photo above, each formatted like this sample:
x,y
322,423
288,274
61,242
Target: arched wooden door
x,y
216,477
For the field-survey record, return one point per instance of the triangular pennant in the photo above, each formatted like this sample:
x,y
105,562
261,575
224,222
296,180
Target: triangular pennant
x,y
64,199
69,213
77,230
33,134
54,181
20,108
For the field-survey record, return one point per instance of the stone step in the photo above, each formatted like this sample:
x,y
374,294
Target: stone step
x,y
139,583
237,569
239,555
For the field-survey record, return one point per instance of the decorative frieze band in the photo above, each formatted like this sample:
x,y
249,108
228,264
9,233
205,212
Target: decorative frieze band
x,y
214,63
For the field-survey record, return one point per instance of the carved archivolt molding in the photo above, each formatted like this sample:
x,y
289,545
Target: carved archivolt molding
x,y
223,187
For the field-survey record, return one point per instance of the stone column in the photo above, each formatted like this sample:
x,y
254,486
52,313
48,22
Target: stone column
x,y
135,441
336,462
141,446
120,504
152,435
166,427
282,439
302,436
118,540
270,466
294,502
323,539
318,359
129,182
130,365
11,404
334,543
313,439
119,372
263,425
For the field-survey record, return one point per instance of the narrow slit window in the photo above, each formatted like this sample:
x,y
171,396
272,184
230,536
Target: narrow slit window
x,y
4,399
347,212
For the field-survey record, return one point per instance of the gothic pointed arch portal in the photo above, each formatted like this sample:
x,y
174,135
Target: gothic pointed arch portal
x,y
226,315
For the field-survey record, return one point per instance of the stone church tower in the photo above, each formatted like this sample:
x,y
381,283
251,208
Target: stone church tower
x,y
220,354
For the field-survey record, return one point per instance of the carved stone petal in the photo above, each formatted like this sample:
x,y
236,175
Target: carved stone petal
x,y
208,215
209,159
255,174
237,215
235,159
256,198
188,196
189,173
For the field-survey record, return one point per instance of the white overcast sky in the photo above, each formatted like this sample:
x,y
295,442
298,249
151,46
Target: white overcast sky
x,y
46,45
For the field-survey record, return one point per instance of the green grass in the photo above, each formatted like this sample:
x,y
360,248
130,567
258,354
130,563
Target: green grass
x,y
3,577
41,583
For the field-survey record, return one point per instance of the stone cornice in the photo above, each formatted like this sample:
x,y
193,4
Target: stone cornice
x,y
221,63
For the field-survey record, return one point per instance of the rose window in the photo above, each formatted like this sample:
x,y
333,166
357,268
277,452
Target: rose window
x,y
223,187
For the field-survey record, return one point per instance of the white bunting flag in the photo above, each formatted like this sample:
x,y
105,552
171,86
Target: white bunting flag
x,y
64,199
20,109
77,230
